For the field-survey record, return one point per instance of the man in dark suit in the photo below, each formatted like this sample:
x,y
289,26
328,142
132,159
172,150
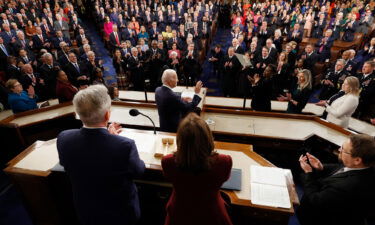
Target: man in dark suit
x,y
4,53
136,70
81,35
100,164
8,35
115,38
154,31
48,72
295,34
129,34
76,71
350,28
340,194
324,45
309,57
58,39
171,107
40,40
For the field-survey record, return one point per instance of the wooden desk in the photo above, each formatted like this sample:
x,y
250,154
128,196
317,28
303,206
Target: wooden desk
x,y
275,125
237,103
31,169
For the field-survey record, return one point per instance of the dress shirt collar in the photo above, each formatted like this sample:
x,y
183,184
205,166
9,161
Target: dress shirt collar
x,y
346,169
84,126
167,87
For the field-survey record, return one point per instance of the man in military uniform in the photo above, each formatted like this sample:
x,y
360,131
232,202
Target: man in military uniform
x,y
366,105
333,80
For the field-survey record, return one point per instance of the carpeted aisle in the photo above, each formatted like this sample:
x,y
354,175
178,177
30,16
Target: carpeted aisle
x,y
222,37
101,52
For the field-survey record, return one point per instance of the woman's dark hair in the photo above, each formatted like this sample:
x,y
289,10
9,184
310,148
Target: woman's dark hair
x,y
195,144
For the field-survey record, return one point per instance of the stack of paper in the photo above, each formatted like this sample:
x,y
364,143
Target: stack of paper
x,y
269,187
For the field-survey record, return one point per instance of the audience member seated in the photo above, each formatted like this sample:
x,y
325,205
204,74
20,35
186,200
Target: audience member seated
x,y
18,99
65,91
197,172
330,189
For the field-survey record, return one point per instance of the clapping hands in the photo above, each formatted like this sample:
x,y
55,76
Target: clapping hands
x,y
114,128
309,162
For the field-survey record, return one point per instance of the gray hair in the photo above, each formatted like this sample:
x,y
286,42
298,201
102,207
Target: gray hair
x,y
91,104
46,55
167,74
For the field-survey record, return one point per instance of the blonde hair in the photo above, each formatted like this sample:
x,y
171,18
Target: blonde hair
x,y
307,75
353,83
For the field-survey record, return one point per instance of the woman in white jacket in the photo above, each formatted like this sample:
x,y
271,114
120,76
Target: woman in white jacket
x,y
342,105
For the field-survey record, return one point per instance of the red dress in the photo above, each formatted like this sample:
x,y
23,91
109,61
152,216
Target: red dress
x,y
196,198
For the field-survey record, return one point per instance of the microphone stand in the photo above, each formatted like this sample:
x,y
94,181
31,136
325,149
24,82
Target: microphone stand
x,y
146,83
244,101
150,120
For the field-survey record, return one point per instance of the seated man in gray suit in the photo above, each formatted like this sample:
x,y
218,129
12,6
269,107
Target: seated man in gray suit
x,y
100,164
171,107
340,194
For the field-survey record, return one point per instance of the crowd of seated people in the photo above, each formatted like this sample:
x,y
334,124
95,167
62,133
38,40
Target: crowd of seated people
x,y
305,35
146,37
41,44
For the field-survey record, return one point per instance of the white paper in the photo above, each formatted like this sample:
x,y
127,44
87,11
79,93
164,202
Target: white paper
x,y
144,142
42,158
270,195
267,175
187,94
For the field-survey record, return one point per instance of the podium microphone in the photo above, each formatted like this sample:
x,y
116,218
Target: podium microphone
x,y
135,112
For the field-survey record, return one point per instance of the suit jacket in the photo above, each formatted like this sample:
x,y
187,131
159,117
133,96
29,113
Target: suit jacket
x,y
327,196
56,42
204,202
349,32
112,39
107,164
8,37
171,108
38,43
73,73
310,60
4,56
64,28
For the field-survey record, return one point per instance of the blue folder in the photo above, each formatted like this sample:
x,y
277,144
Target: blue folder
x,y
234,181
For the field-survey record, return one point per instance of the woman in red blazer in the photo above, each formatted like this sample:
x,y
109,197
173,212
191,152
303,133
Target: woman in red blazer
x,y
197,173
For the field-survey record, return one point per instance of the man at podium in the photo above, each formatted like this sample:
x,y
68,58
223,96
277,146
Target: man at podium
x,y
171,107
100,164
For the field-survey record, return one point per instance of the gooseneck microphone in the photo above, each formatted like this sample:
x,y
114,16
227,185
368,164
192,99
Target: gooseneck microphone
x,y
135,112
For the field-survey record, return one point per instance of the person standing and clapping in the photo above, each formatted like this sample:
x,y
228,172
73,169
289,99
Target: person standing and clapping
x,y
197,172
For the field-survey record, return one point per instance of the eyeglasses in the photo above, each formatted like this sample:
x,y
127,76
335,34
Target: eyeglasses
x,y
341,149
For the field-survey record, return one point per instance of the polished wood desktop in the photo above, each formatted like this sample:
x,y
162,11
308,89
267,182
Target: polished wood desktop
x,y
31,169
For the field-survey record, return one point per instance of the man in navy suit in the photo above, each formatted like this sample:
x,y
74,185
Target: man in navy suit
x,y
171,107
340,193
100,164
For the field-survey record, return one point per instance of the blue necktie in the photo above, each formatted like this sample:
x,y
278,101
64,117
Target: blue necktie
x,y
4,49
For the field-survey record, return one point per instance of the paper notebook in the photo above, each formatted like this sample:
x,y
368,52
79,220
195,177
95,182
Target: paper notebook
x,y
269,187
235,180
